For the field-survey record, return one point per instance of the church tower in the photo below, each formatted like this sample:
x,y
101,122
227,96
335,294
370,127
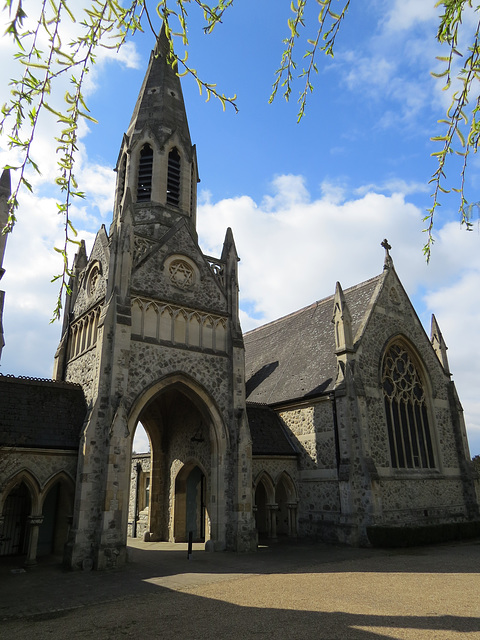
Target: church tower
x,y
152,333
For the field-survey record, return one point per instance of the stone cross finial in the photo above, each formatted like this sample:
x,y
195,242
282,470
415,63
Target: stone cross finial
x,y
388,260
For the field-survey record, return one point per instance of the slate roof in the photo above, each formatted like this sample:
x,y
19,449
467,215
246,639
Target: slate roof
x,y
268,434
40,413
294,357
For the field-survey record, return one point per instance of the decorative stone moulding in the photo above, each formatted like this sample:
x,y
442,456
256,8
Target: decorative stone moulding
x,y
182,271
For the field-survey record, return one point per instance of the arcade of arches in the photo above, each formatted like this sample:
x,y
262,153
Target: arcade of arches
x,y
36,521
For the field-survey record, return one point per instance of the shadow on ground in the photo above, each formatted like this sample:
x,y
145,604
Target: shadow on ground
x,y
152,591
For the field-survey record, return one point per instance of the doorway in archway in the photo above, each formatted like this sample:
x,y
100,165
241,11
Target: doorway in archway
x,y
261,514
190,504
17,508
57,509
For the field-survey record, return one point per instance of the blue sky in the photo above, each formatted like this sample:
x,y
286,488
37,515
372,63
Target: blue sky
x,y
308,203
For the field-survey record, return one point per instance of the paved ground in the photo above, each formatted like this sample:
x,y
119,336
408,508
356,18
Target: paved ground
x,y
283,592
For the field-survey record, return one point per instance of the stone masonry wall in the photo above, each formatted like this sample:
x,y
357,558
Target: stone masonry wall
x,y
42,465
408,495
312,430
83,370
150,276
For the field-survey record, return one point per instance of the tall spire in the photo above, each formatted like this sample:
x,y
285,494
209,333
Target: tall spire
x,y
160,104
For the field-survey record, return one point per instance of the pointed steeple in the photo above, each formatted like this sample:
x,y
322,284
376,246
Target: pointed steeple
x,y
439,346
342,321
160,104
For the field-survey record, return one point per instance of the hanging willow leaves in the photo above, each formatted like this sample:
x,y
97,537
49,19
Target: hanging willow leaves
x,y
109,23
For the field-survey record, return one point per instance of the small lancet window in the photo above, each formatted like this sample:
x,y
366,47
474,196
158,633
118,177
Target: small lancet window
x,y
406,411
145,170
173,178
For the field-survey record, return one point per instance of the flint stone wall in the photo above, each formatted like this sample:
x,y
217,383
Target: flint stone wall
x,y
42,465
150,277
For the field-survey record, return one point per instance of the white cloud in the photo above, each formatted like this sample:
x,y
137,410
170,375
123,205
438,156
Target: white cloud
x,y
405,14
30,264
293,250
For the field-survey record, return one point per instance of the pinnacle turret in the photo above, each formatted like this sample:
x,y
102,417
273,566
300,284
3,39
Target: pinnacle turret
x,y
439,345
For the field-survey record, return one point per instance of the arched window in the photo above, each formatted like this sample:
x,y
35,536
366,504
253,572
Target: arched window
x,y
406,411
173,178
145,170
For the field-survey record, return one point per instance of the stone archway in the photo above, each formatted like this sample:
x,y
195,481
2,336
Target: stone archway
x,y
57,512
264,507
188,442
16,511
286,501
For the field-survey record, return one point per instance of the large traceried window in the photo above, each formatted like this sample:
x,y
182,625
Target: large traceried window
x,y
145,170
406,411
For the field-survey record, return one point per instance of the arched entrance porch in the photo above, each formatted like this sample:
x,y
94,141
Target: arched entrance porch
x,y
186,467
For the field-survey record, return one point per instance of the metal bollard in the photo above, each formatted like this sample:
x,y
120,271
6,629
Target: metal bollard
x,y
190,544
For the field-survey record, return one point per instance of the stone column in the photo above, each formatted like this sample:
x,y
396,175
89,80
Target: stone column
x,y
292,519
2,521
272,521
34,523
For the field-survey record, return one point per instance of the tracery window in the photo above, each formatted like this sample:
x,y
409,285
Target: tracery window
x,y
173,178
145,170
406,411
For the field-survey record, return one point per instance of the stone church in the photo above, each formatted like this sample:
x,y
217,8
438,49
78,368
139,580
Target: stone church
x,y
325,424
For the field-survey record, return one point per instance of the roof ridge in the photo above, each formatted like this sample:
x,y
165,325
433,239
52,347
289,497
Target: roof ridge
x,y
311,306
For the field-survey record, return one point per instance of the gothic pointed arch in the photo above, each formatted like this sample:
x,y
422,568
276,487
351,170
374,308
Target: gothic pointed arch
x,y
265,479
16,510
286,501
190,500
57,500
60,476
406,396
185,429
264,501
31,482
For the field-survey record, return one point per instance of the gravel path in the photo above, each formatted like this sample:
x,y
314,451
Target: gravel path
x,y
282,592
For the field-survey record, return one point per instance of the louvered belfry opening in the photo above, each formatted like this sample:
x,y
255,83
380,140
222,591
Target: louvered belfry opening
x,y
145,170
173,179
